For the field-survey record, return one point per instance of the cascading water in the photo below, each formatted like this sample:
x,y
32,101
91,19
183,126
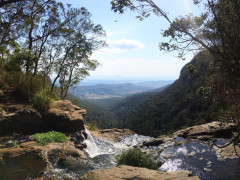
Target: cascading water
x,y
92,148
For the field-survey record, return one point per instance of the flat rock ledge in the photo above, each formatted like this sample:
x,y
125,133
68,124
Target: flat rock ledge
x,y
112,134
128,172
207,131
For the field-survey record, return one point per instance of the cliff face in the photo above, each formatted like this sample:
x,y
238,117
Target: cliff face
x,y
16,117
175,107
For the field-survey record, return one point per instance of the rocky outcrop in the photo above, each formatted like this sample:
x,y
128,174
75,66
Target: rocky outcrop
x,y
127,172
19,118
207,131
64,117
22,118
112,134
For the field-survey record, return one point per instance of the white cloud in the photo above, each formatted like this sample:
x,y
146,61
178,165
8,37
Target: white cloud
x,y
122,45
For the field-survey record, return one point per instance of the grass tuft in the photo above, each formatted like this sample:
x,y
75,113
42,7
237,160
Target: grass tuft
x,y
134,157
46,138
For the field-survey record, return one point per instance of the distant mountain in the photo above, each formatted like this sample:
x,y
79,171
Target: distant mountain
x,y
126,102
104,91
175,107
154,84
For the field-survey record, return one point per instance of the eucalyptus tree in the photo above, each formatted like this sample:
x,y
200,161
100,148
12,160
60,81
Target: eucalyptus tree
x,y
51,40
73,60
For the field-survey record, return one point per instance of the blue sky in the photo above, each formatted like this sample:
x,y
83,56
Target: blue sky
x,y
132,49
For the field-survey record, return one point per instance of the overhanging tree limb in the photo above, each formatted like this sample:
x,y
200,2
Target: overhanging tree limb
x,y
5,2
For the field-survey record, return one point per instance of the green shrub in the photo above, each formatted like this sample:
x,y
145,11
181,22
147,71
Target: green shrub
x,y
135,157
92,125
42,99
46,138
27,85
15,144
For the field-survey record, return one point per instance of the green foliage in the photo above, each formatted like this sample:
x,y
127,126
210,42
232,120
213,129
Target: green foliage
x,y
46,138
43,99
24,84
15,144
95,113
92,125
42,38
192,69
135,157
120,5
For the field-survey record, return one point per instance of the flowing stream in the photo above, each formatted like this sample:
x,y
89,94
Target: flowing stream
x,y
198,158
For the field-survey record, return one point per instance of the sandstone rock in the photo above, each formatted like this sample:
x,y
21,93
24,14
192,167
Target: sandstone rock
x,y
72,151
65,117
81,146
13,152
65,149
227,152
72,163
22,166
1,92
127,172
207,131
112,134
156,141
19,118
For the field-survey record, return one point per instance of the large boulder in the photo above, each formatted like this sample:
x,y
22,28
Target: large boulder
x,y
21,165
65,117
19,118
127,172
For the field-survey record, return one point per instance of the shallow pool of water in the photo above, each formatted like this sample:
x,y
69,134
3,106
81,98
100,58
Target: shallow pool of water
x,y
201,160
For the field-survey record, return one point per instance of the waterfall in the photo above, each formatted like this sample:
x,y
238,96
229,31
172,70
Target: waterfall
x,y
92,148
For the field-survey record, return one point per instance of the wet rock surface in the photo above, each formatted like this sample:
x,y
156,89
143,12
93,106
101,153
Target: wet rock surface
x,y
128,172
112,134
20,167
157,141
229,152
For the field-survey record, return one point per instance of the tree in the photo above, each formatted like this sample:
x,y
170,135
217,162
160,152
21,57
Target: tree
x,y
5,2
58,41
216,30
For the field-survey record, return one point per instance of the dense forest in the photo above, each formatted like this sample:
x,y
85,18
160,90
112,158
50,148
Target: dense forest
x,y
175,107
